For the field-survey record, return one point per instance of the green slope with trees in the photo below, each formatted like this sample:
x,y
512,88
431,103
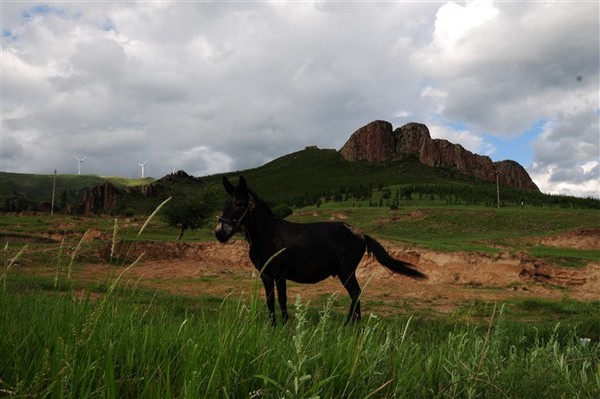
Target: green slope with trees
x,y
308,177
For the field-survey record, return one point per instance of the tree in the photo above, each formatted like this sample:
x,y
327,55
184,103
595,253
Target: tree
x,y
188,213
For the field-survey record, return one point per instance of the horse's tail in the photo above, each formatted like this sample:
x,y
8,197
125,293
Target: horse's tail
x,y
395,265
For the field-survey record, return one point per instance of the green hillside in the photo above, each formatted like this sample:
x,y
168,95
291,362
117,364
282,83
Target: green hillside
x,y
299,179
313,170
37,189
304,177
316,171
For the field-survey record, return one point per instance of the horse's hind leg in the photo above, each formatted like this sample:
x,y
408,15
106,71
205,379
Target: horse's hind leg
x,y
282,298
351,285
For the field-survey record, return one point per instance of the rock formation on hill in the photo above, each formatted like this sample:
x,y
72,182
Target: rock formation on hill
x,y
378,142
100,198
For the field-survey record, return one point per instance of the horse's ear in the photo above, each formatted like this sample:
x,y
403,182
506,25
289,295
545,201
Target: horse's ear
x,y
243,186
228,186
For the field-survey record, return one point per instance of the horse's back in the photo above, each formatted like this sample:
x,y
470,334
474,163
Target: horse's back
x,y
316,251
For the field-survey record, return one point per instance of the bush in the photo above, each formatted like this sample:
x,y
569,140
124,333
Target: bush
x,y
187,214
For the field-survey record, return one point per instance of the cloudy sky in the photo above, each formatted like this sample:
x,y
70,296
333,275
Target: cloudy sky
x,y
212,87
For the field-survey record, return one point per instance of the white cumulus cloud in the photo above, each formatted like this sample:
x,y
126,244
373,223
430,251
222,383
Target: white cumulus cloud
x,y
218,86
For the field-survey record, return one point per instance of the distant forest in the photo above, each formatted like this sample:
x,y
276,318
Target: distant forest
x,y
132,201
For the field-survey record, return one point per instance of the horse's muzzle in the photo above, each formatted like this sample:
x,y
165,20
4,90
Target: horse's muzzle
x,y
224,231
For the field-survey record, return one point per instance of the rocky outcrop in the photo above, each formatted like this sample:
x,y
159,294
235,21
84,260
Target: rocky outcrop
x,y
377,142
373,143
162,187
177,177
511,173
153,190
100,198
414,138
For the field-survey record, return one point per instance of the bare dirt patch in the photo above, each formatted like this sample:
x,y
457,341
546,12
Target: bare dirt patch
x,y
588,238
454,279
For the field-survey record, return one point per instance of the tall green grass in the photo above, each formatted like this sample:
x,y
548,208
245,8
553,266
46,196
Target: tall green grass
x,y
114,346
120,342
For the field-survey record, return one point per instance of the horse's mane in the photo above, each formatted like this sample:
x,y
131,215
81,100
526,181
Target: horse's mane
x,y
262,204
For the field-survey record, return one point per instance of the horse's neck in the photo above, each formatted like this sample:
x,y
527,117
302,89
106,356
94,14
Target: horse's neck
x,y
261,227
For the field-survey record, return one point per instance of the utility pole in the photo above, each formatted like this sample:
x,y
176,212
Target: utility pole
x,y
53,193
496,173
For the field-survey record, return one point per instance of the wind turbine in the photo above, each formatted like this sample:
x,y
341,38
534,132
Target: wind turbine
x,y
79,161
143,165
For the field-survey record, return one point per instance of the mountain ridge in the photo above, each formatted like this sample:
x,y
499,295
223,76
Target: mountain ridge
x,y
378,159
377,141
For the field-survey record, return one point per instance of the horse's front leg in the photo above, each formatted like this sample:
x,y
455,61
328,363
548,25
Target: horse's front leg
x,y
269,284
282,297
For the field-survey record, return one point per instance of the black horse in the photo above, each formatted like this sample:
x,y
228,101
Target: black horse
x,y
308,252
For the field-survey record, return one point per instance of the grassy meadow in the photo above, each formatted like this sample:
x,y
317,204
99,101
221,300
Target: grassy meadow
x,y
125,343
63,338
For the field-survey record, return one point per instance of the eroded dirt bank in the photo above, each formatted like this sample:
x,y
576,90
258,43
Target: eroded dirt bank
x,y
454,278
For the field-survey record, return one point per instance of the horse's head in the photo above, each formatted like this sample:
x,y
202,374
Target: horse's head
x,y
235,210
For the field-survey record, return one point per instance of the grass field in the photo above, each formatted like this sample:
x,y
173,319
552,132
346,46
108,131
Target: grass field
x,y
118,340
125,343
470,228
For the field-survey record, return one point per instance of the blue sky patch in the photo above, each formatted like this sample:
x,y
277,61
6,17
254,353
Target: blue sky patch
x,y
517,148
8,34
42,9
108,25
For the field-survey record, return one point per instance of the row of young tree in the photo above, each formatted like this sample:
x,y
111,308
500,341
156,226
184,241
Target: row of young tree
x,y
451,194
